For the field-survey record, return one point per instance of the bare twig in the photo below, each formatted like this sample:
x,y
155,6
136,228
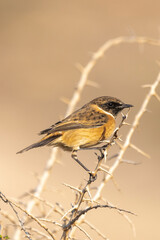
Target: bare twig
x,y
50,221
139,150
82,230
82,212
8,216
7,201
35,219
73,188
130,223
38,232
95,229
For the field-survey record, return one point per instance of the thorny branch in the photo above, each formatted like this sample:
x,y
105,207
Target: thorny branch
x,y
13,205
75,213
75,98
124,147
82,212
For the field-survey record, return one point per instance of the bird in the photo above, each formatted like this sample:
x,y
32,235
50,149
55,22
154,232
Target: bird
x,y
88,126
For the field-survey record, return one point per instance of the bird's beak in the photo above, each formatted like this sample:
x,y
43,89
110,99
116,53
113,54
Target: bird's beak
x,y
126,105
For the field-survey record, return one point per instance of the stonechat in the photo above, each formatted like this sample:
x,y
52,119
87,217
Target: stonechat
x,y
90,125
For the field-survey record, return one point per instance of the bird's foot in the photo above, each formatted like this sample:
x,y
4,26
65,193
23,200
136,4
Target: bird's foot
x,y
92,176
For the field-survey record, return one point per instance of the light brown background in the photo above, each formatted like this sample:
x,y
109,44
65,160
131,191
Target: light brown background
x,y
40,44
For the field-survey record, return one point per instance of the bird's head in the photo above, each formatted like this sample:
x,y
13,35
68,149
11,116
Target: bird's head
x,y
110,104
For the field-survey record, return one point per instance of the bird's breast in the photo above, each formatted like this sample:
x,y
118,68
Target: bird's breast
x,y
87,137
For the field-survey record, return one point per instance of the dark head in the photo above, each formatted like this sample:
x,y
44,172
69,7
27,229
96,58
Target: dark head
x,y
110,104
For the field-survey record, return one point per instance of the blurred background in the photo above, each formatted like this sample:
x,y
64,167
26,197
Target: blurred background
x,y
41,43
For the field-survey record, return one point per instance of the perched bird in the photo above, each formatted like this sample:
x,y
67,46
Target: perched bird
x,y
90,125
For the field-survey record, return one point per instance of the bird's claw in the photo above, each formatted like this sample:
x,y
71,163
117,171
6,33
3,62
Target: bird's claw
x,y
92,176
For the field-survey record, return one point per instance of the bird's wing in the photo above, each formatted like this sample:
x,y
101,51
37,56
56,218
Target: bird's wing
x,y
86,117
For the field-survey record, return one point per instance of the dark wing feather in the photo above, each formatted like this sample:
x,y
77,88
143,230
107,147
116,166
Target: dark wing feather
x,y
86,117
41,143
45,131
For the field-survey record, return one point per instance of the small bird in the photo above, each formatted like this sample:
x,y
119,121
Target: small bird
x,y
90,125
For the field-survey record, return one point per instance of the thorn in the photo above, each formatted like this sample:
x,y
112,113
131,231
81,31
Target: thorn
x,y
58,161
116,184
60,206
125,123
95,229
90,201
71,187
130,162
148,111
65,100
79,67
92,84
157,96
131,224
139,150
89,194
104,170
120,139
146,86
105,166
119,145
114,156
96,154
70,210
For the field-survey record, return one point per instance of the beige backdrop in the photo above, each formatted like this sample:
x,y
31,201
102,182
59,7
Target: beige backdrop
x,y
40,44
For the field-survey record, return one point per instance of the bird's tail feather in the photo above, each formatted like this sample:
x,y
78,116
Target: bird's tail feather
x,y
44,141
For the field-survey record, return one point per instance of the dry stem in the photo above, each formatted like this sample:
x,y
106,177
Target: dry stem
x,y
76,96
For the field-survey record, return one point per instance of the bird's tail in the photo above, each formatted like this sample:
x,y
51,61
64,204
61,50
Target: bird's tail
x,y
44,141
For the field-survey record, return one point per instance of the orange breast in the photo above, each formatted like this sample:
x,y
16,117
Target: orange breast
x,y
87,137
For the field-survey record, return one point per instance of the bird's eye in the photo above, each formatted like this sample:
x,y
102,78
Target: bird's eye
x,y
110,104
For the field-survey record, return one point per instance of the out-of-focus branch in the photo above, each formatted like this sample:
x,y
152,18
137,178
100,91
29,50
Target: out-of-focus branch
x,y
97,55
125,146
45,175
127,142
76,96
